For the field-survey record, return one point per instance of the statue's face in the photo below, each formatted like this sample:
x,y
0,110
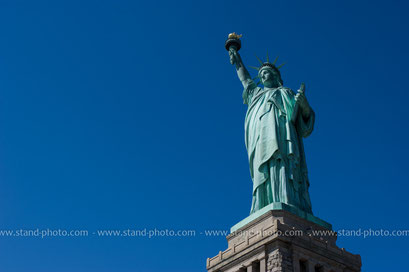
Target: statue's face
x,y
267,77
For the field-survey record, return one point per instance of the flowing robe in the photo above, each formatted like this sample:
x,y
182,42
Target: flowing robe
x,y
273,138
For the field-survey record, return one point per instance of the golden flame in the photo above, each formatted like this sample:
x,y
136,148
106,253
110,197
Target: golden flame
x,y
234,36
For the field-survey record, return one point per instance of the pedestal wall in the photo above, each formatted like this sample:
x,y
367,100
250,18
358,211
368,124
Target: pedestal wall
x,y
281,241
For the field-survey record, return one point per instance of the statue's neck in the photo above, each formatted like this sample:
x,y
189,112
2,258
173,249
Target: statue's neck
x,y
272,85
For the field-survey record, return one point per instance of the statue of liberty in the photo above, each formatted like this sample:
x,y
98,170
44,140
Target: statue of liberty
x,y
276,121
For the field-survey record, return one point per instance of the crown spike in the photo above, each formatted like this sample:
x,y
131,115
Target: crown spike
x,y
281,65
274,62
259,60
255,68
268,59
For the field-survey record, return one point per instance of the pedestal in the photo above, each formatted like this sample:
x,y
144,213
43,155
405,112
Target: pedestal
x,y
281,241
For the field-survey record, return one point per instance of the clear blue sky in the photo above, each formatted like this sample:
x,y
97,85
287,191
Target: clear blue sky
x,y
128,114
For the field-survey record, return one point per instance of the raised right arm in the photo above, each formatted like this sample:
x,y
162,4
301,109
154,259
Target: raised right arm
x,y
242,72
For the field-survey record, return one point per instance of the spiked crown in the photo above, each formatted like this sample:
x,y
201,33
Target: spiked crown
x,y
267,64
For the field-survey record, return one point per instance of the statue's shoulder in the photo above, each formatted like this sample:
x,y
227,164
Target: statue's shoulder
x,y
287,91
249,92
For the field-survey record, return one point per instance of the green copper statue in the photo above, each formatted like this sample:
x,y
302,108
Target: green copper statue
x,y
276,121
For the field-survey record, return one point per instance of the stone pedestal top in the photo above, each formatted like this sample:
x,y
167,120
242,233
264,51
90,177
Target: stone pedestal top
x,y
281,207
282,240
